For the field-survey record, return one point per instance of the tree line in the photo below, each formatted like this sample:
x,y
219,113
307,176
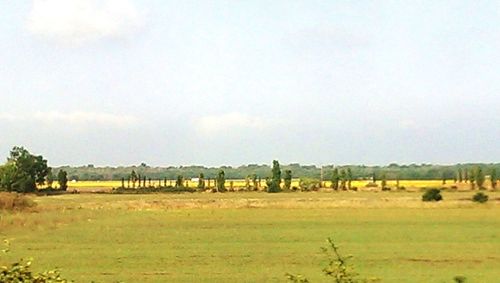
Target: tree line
x,y
25,172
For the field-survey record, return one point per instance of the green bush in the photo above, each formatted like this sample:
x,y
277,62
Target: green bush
x,y
480,197
432,195
19,271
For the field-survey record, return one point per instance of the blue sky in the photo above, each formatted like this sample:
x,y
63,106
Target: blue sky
x,y
119,82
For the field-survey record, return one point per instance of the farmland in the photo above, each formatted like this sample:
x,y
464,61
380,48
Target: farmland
x,y
257,237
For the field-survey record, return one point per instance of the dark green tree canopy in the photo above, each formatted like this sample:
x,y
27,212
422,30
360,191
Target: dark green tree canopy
x,y
23,171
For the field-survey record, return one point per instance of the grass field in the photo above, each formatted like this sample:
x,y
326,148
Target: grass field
x,y
257,237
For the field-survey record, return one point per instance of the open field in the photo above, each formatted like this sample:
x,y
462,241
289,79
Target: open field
x,y
107,185
257,237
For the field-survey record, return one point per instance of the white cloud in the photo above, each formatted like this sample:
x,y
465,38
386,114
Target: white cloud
x,y
78,21
79,117
230,121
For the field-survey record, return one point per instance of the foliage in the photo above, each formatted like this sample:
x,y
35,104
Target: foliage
x,y
480,197
23,171
349,178
179,182
309,184
335,179
19,271
338,268
479,176
288,179
343,179
201,181
221,180
383,181
275,181
62,179
493,178
432,194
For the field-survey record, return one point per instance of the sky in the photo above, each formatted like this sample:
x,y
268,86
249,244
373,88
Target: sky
x,y
120,82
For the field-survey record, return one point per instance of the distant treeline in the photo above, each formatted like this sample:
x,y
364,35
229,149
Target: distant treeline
x,y
392,171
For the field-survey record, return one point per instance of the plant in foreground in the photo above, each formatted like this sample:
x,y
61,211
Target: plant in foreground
x,y
20,272
337,269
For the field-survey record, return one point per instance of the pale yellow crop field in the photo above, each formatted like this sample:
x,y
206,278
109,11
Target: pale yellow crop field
x,y
237,183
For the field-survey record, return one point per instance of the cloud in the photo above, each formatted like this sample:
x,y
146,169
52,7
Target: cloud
x,y
230,121
79,118
78,21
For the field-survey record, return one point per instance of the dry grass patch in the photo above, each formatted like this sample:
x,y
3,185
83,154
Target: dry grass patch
x,y
15,202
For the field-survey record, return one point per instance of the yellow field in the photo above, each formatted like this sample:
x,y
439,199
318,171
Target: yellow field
x,y
237,183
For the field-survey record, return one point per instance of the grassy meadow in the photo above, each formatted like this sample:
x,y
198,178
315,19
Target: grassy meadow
x,y
257,237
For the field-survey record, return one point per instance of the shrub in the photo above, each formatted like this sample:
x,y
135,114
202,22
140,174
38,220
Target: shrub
x,y
386,188
480,197
20,272
371,185
338,268
15,202
432,195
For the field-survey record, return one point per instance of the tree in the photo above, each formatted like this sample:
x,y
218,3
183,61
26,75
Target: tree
x,y
472,180
479,177
343,179
179,182
349,178
383,179
255,182
493,178
288,179
50,178
23,171
133,177
201,181
275,181
335,179
460,176
443,177
221,180
62,179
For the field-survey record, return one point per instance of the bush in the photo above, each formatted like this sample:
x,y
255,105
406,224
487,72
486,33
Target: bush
x,y
20,272
371,185
480,197
15,202
386,189
432,195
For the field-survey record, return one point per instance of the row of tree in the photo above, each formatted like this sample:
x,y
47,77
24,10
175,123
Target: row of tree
x,y
358,172
24,172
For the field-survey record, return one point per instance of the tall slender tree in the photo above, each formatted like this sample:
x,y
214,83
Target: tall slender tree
x,y
62,179
349,178
275,181
335,179
201,181
288,180
221,180
493,178
479,177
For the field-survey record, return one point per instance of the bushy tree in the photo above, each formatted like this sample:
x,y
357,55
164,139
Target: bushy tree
x,y
335,179
23,171
255,182
288,179
275,181
62,179
459,175
472,180
221,180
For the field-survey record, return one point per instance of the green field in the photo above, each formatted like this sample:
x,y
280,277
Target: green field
x,y
257,237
